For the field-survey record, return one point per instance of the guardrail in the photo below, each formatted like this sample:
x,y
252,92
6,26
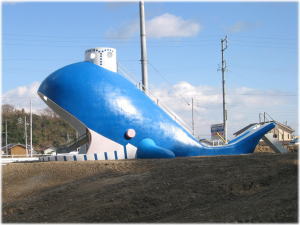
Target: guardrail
x,y
20,156
8,160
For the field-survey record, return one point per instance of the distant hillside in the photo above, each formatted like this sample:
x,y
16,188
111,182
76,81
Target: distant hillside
x,y
48,129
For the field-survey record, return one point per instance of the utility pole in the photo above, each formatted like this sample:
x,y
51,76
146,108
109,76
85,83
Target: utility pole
x,y
259,117
193,127
144,60
6,137
223,48
25,124
30,129
68,138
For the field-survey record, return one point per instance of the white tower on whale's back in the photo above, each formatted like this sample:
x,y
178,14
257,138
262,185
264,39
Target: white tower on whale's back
x,y
104,57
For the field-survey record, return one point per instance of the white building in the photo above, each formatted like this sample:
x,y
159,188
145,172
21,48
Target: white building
x,y
104,57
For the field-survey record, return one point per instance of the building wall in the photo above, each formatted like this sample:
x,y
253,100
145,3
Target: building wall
x,y
104,57
18,150
282,135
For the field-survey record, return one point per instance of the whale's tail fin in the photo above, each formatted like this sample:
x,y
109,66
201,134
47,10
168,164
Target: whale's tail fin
x,y
245,143
250,138
255,131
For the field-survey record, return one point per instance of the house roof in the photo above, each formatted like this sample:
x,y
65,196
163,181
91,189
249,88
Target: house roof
x,y
9,146
49,148
282,126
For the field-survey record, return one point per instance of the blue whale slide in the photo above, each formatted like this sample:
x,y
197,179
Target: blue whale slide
x,y
114,112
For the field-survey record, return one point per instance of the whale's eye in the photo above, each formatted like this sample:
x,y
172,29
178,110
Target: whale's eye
x,y
92,55
109,54
130,133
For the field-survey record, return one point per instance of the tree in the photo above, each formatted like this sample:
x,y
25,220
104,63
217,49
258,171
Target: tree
x,y
48,130
7,108
49,112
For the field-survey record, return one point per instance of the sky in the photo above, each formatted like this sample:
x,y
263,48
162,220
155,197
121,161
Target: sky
x,y
184,53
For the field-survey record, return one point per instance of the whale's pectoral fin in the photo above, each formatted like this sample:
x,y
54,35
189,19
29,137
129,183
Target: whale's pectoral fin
x,y
147,149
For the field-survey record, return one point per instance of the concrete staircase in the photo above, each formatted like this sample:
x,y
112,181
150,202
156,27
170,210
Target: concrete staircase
x,y
274,144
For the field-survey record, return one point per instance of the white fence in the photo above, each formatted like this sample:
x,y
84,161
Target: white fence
x,y
9,159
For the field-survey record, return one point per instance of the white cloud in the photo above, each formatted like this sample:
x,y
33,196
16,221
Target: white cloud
x,y
241,26
20,97
178,98
165,25
168,25
126,30
243,105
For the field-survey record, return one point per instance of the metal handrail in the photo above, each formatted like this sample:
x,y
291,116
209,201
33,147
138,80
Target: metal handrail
x,y
155,99
266,116
222,138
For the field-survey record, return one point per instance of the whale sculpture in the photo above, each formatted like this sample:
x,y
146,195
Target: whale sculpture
x,y
121,121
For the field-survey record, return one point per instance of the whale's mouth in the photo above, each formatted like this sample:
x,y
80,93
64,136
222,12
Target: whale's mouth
x,y
88,140
83,139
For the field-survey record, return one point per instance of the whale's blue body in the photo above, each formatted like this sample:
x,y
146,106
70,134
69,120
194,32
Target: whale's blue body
x,y
109,104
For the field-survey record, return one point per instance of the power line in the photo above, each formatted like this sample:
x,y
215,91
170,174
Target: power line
x,y
22,37
57,59
160,74
276,37
240,39
281,95
253,94
153,42
42,45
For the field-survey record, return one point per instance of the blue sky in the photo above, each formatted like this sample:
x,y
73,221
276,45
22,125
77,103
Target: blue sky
x,y
39,38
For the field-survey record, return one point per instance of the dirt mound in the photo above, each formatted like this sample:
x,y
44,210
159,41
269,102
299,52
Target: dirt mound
x,y
249,188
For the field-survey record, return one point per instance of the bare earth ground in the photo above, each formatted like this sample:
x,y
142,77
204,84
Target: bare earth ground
x,y
261,187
